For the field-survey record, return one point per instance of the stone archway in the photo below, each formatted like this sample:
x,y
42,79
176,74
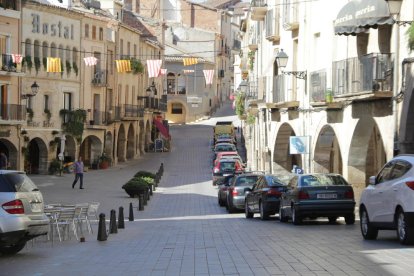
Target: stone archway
x,y
366,154
282,160
36,161
327,156
130,154
69,151
90,150
121,144
11,152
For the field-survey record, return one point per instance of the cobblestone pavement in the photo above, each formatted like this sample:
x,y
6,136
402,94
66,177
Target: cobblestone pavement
x,y
183,231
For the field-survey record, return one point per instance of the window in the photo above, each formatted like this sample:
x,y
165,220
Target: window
x,y
101,34
3,44
129,49
68,56
135,50
121,47
61,54
93,32
384,174
37,49
67,101
399,169
111,61
28,48
86,30
74,55
46,102
45,50
176,108
53,50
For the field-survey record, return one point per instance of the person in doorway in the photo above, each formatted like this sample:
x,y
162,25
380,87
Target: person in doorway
x,y
3,161
78,170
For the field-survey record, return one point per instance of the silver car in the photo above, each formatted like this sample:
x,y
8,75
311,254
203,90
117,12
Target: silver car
x,y
22,216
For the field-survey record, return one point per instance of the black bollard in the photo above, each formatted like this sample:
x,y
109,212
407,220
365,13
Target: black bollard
x,y
150,189
145,196
162,168
121,222
148,193
113,229
141,202
102,236
153,187
131,212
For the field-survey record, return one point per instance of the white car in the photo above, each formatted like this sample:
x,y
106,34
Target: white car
x,y
388,202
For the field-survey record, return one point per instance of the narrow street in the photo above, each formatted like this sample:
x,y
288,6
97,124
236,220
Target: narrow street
x,y
183,231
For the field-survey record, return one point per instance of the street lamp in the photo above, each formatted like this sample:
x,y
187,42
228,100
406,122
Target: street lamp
x,y
394,6
34,88
282,59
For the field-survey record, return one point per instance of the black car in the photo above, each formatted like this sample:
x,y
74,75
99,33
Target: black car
x,y
223,185
264,197
317,195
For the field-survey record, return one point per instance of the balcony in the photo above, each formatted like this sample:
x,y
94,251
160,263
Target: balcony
x,y
258,10
252,41
99,78
366,77
12,112
290,15
99,118
283,96
132,112
317,86
272,26
7,67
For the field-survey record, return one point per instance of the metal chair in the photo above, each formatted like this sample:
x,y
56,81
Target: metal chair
x,y
66,219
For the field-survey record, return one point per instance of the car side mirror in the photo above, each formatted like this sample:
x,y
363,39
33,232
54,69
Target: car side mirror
x,y
372,180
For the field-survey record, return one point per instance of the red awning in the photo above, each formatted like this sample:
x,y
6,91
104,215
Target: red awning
x,y
162,129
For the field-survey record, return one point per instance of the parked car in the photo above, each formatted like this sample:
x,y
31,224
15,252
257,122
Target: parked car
x,y
223,153
22,216
223,147
264,197
226,167
317,195
237,189
223,184
228,156
388,202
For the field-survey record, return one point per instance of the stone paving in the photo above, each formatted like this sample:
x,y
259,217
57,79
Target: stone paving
x,y
183,231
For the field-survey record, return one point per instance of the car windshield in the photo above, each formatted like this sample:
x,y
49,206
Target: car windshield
x,y
16,182
227,166
275,181
246,180
225,148
322,180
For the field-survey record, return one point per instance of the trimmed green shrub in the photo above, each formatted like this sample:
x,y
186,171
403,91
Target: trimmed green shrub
x,y
145,174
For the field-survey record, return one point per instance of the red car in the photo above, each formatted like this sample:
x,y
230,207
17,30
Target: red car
x,y
226,167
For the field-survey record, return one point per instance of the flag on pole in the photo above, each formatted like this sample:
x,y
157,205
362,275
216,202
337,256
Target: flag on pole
x,y
90,61
190,61
163,72
188,71
154,67
208,75
17,58
53,65
123,65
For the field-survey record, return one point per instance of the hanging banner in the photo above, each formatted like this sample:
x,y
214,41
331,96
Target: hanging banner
x,y
154,67
209,75
190,61
53,65
90,61
123,65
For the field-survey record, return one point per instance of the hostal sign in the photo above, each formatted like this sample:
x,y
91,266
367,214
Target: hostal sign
x,y
56,29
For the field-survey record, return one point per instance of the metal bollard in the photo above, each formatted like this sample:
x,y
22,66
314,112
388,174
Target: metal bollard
x,y
141,203
148,194
121,222
153,187
145,196
102,236
150,189
131,213
113,229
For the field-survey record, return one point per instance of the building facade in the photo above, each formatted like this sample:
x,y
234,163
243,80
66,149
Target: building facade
x,y
341,102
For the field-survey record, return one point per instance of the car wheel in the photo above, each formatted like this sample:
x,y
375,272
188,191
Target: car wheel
x,y
12,249
332,220
220,201
263,214
367,230
405,234
282,216
296,218
350,219
247,212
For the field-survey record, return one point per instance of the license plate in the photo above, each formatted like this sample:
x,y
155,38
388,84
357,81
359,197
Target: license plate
x,y
36,207
326,196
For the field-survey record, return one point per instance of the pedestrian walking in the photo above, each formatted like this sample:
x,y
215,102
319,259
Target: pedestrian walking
x,y
78,170
3,161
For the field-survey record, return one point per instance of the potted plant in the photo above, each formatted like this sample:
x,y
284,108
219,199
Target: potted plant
x,y
136,186
104,161
145,174
44,61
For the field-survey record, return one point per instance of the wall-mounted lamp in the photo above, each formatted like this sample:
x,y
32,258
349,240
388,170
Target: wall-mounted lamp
x,y
394,7
35,88
282,59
